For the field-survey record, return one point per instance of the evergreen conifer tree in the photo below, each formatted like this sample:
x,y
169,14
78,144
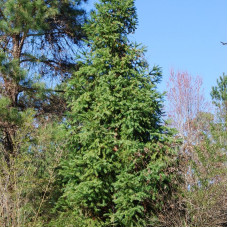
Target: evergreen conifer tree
x,y
119,152
219,97
37,39
33,40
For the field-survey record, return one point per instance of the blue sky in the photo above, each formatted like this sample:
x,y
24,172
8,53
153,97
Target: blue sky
x,y
184,35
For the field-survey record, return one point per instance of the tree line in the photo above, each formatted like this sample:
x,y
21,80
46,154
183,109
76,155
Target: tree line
x,y
84,138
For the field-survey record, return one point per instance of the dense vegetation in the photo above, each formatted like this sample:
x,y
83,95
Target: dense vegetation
x,y
83,141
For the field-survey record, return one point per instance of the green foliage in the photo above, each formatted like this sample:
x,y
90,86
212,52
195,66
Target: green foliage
x,y
219,128
22,17
34,36
38,15
210,153
219,92
26,180
118,148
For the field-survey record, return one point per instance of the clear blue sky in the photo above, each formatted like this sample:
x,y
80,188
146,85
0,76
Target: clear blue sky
x,y
184,35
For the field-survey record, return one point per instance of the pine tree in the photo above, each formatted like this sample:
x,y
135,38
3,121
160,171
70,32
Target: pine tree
x,y
34,36
219,97
37,40
219,92
118,149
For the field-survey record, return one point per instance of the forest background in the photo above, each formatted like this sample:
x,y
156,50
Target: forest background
x,y
85,138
